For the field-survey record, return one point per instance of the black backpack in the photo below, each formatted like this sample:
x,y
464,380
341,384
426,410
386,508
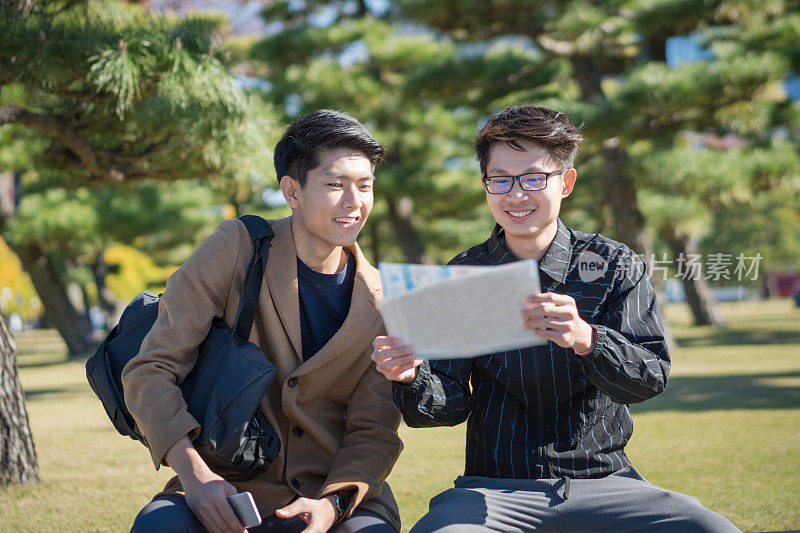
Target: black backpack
x,y
224,389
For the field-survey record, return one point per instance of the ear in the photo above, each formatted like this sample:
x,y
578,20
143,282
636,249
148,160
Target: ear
x,y
569,182
290,189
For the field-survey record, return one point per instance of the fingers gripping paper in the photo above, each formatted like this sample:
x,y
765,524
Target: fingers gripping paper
x,y
449,312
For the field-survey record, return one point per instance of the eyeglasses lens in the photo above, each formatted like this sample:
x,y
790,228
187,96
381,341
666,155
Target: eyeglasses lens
x,y
529,182
532,182
499,185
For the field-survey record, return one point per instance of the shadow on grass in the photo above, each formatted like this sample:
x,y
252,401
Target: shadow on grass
x,y
710,393
47,394
727,337
41,362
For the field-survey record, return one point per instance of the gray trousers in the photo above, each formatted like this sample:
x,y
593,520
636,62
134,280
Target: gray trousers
x,y
171,514
623,501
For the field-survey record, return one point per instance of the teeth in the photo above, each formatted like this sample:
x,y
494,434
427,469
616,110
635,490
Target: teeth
x,y
346,220
520,214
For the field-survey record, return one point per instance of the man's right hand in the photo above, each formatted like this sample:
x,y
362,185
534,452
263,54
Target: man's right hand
x,y
206,492
393,360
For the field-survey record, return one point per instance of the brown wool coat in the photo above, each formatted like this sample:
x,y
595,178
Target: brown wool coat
x,y
342,404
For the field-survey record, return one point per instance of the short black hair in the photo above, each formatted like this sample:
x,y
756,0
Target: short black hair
x,y
550,129
298,150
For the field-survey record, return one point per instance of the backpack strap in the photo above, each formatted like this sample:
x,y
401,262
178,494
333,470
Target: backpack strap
x,y
257,226
261,233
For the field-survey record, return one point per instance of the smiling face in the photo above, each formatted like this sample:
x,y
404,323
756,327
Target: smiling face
x,y
528,217
332,206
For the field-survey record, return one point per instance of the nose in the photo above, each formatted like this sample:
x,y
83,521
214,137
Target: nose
x,y
517,192
351,198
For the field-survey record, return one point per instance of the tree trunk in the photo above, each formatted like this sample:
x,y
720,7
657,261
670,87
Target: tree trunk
x,y
18,462
375,241
620,189
407,235
9,185
629,223
75,328
698,294
106,298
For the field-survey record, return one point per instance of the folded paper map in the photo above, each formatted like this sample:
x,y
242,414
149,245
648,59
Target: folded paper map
x,y
449,312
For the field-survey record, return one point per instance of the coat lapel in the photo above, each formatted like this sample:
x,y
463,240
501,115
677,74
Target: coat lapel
x,y
358,326
281,278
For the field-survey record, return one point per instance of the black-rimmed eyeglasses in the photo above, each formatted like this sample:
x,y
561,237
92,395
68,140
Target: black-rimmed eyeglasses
x,y
534,181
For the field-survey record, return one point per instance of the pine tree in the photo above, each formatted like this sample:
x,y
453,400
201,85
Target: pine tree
x,y
110,93
605,63
107,92
602,62
427,203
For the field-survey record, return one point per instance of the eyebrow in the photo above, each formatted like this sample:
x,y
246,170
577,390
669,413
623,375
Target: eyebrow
x,y
331,174
530,170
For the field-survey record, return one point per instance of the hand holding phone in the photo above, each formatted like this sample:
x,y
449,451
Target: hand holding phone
x,y
245,508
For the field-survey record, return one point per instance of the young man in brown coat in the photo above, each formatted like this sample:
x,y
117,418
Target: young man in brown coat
x,y
316,316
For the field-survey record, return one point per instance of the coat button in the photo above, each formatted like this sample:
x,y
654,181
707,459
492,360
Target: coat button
x,y
292,382
297,431
295,483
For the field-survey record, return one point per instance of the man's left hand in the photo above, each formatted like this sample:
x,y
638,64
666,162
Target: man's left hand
x,y
555,317
319,515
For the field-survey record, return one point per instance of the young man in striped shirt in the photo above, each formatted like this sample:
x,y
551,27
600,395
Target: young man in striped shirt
x,y
547,425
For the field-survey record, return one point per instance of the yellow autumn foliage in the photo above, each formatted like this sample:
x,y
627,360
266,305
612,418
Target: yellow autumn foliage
x,y
17,294
137,273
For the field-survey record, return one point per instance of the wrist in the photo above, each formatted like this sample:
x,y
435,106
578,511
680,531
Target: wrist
x,y
183,458
337,512
191,469
583,349
339,502
408,380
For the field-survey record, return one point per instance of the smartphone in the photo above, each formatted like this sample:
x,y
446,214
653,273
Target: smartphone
x,y
245,509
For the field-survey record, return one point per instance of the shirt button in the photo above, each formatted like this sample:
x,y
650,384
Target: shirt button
x,y
295,483
292,382
297,431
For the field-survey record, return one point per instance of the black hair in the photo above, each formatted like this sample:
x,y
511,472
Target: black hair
x,y
550,129
298,150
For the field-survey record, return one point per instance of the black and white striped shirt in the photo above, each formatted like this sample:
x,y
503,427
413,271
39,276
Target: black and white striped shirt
x,y
543,411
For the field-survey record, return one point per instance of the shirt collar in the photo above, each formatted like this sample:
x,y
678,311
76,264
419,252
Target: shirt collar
x,y
327,280
555,262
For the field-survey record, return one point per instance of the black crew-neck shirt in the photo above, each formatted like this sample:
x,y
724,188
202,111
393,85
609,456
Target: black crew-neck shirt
x,y
324,303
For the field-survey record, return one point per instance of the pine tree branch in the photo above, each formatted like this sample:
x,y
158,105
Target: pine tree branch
x,y
150,151
69,4
101,98
93,120
120,166
11,114
89,98
132,172
559,48
23,7
149,174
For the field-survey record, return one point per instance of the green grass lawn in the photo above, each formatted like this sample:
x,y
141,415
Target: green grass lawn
x,y
727,430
